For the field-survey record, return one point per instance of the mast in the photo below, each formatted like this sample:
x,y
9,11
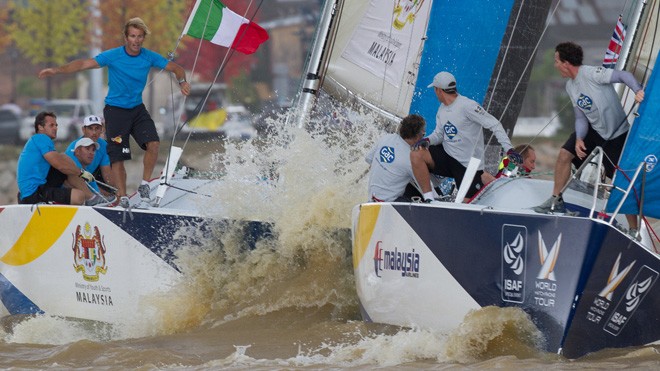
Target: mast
x,y
312,80
624,55
95,74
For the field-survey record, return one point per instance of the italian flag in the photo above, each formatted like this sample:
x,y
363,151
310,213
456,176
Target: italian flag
x,y
211,20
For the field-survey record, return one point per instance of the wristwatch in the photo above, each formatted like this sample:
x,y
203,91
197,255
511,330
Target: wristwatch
x,y
182,81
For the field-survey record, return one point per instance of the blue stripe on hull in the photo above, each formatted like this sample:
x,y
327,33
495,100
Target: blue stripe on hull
x,y
14,300
631,316
163,234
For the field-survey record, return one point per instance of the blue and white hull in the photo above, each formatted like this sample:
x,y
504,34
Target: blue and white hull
x,y
585,284
100,263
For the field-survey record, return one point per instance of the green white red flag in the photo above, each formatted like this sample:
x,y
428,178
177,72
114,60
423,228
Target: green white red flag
x,y
211,20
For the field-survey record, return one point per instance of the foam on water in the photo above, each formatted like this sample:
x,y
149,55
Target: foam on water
x,y
305,182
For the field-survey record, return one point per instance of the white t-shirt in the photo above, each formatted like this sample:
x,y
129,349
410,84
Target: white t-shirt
x,y
391,170
458,127
592,92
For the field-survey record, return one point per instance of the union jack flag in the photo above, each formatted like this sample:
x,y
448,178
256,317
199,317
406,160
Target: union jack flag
x,y
616,42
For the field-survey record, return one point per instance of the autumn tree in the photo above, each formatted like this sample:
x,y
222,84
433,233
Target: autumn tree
x,y
5,38
165,19
50,32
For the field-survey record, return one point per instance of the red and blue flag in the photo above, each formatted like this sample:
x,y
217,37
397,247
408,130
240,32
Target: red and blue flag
x,y
616,43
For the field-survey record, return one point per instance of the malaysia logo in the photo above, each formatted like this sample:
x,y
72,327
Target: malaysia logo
x,y
651,161
405,14
514,256
584,102
407,263
635,293
387,154
89,253
548,259
450,130
116,139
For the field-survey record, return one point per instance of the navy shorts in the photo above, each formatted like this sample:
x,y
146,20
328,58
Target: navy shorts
x,y
51,191
612,149
122,123
447,166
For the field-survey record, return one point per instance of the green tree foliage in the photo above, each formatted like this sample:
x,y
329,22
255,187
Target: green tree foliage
x,y
165,19
50,32
5,38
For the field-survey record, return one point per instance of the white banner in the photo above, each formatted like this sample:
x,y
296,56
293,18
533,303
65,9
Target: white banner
x,y
388,38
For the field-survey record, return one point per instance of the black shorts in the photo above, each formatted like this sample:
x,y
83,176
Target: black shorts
x,y
445,165
122,123
612,149
51,191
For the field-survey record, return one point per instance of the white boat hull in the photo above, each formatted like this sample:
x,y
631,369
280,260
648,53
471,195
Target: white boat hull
x,y
100,263
427,266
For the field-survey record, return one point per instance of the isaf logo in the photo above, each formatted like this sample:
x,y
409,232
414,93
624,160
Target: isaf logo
x,y
584,102
514,257
387,154
634,295
450,130
89,253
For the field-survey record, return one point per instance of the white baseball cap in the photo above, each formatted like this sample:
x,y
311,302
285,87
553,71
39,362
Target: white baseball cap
x,y
85,142
92,120
444,80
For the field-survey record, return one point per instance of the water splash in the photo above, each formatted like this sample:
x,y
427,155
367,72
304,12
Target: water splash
x,y
304,182
493,331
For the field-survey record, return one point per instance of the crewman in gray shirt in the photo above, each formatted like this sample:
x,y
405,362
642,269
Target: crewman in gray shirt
x,y
457,137
599,119
390,171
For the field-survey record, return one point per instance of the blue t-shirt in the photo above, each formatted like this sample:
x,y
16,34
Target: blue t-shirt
x,y
127,74
75,160
32,168
101,157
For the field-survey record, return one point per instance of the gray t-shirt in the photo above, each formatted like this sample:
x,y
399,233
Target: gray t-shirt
x,y
592,92
390,169
458,127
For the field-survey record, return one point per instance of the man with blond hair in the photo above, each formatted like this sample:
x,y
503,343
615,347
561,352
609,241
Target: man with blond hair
x,y
125,114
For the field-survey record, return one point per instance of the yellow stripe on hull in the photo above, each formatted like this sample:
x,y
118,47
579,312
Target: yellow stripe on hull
x,y
365,228
45,227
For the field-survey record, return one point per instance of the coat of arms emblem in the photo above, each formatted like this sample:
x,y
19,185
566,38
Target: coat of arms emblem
x,y
89,252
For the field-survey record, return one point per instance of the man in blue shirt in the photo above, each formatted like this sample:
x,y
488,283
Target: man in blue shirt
x,y
124,112
100,166
42,171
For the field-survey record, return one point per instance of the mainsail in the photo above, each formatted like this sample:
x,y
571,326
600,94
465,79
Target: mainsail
x,y
387,52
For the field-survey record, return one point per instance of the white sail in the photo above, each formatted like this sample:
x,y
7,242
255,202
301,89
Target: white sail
x,y
377,50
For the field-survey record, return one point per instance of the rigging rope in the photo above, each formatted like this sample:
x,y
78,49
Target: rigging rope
x,y
197,110
547,24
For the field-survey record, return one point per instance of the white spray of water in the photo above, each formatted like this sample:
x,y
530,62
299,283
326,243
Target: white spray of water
x,y
304,181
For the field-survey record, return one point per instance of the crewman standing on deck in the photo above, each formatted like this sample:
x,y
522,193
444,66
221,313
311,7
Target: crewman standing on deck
x,y
124,112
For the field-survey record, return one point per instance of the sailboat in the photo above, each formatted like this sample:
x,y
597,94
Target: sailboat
x,y
109,264
583,281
